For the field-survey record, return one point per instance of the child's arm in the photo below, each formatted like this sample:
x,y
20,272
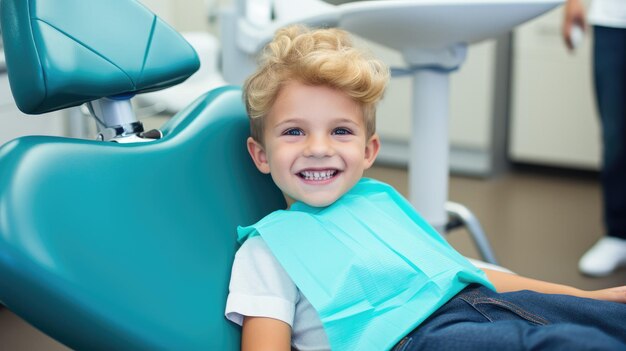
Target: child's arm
x,y
265,334
505,282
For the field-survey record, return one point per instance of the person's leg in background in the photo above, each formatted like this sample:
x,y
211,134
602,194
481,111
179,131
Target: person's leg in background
x,y
609,55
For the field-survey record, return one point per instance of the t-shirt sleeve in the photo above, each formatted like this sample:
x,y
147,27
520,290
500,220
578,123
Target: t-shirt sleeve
x,y
259,286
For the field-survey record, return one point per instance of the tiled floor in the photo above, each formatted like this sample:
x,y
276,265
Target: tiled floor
x,y
539,224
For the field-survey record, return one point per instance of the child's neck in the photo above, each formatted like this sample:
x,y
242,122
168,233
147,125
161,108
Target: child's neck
x,y
289,200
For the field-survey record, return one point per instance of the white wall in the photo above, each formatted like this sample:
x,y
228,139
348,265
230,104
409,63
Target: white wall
x,y
187,15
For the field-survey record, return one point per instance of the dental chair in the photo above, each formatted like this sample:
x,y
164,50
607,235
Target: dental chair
x,y
125,244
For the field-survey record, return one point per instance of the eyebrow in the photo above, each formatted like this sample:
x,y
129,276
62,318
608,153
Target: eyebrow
x,y
347,120
298,119
290,120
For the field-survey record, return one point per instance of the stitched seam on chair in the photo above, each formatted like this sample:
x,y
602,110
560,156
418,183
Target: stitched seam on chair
x,y
148,47
43,74
90,49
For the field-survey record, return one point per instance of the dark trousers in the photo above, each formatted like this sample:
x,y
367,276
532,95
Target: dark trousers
x,y
482,320
609,55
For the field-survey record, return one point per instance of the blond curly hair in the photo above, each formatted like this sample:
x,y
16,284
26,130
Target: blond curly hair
x,y
314,57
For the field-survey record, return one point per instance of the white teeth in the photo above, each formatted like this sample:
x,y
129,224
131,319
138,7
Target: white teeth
x,y
318,175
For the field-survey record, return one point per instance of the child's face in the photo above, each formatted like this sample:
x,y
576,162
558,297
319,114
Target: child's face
x,y
315,144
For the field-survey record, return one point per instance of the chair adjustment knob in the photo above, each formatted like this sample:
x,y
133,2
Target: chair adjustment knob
x,y
152,134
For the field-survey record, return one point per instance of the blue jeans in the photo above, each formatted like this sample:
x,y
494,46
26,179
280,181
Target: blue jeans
x,y
609,55
480,319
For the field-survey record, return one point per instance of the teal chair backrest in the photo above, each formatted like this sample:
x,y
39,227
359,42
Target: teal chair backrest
x,y
108,246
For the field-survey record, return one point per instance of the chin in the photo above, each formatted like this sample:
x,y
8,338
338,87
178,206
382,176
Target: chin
x,y
321,204
318,202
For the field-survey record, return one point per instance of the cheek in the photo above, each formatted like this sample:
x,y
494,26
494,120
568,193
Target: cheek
x,y
355,153
281,159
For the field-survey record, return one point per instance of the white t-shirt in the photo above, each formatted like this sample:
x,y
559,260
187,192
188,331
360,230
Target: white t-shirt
x,y
608,13
260,287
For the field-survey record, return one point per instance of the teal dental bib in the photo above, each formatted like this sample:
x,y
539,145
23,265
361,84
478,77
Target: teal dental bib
x,y
369,264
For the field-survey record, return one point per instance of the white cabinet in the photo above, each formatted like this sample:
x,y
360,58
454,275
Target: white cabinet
x,y
554,117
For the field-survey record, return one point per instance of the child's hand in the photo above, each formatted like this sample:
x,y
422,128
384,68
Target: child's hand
x,y
617,294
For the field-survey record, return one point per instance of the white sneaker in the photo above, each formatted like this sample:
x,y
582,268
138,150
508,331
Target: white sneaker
x,y
604,257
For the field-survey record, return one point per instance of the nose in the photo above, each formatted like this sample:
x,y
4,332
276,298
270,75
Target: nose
x,y
318,146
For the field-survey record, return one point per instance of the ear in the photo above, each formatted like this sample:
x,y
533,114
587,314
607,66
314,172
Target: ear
x,y
371,150
257,152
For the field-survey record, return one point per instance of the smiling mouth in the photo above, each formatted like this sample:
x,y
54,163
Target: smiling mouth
x,y
318,175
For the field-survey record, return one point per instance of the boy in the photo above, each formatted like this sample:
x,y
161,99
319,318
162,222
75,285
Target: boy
x,y
350,265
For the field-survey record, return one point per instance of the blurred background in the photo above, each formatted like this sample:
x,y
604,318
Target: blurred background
x,y
524,142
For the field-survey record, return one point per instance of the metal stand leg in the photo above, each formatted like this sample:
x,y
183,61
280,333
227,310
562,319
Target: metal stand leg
x,y
461,216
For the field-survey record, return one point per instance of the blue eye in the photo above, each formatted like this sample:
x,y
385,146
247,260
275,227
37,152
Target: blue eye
x,y
342,131
293,131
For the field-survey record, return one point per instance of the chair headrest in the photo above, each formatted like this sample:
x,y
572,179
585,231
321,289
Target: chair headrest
x,y
62,53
